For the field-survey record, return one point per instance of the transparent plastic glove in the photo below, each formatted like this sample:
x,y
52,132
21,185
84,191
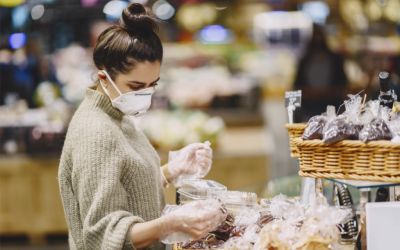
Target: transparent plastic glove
x,y
190,221
192,162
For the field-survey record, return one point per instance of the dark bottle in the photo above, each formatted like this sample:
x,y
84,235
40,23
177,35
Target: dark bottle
x,y
385,98
382,194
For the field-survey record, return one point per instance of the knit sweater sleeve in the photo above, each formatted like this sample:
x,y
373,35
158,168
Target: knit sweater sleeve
x,y
103,201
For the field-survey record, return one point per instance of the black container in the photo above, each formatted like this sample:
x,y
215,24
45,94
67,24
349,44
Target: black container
x,y
385,98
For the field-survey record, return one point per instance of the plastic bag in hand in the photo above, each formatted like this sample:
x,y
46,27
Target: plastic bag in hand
x,y
376,130
190,221
192,162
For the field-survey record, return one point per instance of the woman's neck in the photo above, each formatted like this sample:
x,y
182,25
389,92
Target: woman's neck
x,y
100,89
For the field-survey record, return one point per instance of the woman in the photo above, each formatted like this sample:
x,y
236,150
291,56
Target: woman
x,y
110,178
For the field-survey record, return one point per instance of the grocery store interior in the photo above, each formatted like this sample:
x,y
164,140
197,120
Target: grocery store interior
x,y
226,67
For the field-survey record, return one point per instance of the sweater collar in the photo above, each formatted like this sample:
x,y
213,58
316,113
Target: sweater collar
x,y
99,101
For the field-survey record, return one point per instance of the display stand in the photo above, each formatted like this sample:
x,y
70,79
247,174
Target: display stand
x,y
364,188
312,187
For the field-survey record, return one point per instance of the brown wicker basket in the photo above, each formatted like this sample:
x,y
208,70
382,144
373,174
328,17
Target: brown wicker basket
x,y
296,130
372,161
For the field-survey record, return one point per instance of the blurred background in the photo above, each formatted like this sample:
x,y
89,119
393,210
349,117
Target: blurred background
x,y
227,64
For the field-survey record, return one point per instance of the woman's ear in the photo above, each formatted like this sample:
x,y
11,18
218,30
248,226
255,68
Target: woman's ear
x,y
102,78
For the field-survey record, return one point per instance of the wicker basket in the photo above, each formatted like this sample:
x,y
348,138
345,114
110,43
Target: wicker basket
x,y
296,130
372,161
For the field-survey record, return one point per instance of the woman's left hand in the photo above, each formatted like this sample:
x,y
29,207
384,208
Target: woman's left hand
x,y
193,161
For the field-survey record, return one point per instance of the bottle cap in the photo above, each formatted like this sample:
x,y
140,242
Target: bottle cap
x,y
384,80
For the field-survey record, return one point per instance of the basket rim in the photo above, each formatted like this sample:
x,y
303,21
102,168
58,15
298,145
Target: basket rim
x,y
346,143
296,126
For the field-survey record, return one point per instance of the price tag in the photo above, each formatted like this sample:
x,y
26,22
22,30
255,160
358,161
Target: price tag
x,y
293,98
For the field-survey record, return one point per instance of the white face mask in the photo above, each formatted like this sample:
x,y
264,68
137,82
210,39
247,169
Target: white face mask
x,y
132,103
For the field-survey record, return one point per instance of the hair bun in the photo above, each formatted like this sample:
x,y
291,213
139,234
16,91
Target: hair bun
x,y
136,17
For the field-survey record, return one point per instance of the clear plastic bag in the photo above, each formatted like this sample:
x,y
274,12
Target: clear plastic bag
x,y
376,123
320,230
195,189
340,129
285,209
280,235
317,124
248,224
315,127
242,227
191,162
208,212
235,201
237,243
244,239
377,129
394,125
347,125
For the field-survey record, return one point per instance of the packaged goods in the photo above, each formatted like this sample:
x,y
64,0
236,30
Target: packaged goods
x,y
224,229
319,231
241,229
284,225
235,201
277,235
264,219
197,189
394,125
345,126
238,231
285,209
316,125
377,129
196,244
340,129
237,243
366,122
377,126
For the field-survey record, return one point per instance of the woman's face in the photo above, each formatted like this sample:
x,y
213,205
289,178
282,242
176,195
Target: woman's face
x,y
143,75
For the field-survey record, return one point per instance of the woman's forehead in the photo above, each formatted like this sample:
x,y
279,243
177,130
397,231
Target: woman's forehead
x,y
145,72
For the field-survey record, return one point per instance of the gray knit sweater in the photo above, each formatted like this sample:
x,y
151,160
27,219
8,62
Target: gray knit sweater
x,y
109,177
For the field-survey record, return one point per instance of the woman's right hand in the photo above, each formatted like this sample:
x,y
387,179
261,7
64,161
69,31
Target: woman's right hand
x,y
195,219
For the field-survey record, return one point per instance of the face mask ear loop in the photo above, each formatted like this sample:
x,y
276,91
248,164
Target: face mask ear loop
x,y
109,78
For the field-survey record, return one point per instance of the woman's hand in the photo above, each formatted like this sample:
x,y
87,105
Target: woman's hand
x,y
193,161
179,224
194,220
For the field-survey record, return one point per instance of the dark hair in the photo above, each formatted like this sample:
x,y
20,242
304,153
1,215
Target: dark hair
x,y
134,40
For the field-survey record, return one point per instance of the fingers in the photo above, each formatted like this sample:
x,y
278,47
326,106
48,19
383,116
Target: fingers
x,y
196,146
203,155
200,217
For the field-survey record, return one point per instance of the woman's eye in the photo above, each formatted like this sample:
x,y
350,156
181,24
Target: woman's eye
x,y
135,88
154,84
